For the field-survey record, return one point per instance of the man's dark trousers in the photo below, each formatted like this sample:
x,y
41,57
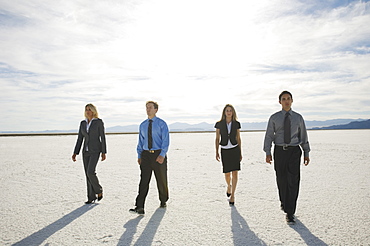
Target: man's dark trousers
x,y
287,168
147,166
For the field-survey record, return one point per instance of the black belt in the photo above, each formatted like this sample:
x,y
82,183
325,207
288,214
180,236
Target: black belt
x,y
286,147
153,151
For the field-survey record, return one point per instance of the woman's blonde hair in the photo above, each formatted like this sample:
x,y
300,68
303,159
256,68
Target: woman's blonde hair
x,y
93,109
233,117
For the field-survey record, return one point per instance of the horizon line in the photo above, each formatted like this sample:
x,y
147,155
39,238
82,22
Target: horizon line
x,y
130,133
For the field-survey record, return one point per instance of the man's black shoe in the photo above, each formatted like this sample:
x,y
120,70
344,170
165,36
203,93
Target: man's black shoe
x,y
290,219
137,210
163,205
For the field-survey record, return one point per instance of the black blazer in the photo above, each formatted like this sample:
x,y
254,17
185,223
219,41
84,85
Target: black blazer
x,y
225,136
94,139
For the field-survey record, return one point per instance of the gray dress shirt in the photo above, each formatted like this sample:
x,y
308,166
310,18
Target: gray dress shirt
x,y
275,132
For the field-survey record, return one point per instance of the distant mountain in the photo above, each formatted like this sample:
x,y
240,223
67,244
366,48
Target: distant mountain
x,y
178,127
129,128
175,127
352,125
326,123
204,126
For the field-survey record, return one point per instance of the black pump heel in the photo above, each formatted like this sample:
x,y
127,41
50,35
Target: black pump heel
x,y
232,203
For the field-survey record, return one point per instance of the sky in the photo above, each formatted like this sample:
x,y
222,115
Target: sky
x,y
192,57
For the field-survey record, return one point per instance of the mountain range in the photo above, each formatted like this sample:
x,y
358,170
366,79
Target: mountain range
x,y
247,126
365,124
251,126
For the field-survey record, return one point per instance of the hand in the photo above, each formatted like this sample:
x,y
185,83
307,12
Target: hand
x,y
241,157
217,156
139,161
74,157
306,160
160,159
103,157
268,159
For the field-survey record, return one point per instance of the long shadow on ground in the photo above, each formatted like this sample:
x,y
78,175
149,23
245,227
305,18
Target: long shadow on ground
x,y
147,236
40,236
242,234
131,229
309,238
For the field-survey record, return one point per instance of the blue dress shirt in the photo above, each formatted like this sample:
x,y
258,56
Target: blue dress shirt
x,y
160,134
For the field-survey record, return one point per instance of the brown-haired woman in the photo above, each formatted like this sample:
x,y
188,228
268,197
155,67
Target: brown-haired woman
x,y
228,137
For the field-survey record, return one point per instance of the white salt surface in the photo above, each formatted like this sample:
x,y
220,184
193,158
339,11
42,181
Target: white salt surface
x,y
43,194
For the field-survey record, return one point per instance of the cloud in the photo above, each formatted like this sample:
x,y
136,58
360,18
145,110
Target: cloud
x,y
192,57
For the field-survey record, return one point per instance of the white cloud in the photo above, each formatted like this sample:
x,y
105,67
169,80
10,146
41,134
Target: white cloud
x,y
193,57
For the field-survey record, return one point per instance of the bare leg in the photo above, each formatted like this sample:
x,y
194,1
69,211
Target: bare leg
x,y
234,182
228,179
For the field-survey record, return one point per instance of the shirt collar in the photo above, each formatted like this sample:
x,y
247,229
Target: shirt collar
x,y
284,112
153,119
87,121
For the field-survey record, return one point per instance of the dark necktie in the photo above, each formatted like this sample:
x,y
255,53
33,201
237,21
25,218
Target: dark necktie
x,y
150,137
287,134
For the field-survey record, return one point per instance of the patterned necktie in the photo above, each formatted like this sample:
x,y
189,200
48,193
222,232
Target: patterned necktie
x,y
287,134
150,138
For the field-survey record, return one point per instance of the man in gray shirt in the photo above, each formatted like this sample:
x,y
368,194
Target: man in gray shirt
x,y
287,130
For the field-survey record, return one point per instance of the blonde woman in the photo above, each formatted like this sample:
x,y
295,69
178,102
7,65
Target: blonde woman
x,y
228,137
91,133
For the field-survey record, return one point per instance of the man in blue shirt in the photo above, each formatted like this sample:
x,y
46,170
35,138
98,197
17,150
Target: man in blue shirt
x,y
287,130
154,140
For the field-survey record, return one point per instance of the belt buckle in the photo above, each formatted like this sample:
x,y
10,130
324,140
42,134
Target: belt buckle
x,y
151,151
285,147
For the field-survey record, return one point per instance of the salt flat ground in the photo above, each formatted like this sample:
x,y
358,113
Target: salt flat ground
x,y
43,194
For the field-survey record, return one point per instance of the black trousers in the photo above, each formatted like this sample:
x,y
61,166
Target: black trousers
x,y
90,161
147,166
287,168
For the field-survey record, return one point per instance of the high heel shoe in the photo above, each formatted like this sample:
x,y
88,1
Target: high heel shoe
x,y
231,202
227,192
100,196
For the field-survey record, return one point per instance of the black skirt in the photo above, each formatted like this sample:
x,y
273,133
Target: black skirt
x,y
230,159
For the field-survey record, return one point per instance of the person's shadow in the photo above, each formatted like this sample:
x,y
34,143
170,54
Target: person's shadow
x,y
131,228
242,234
40,236
147,236
306,235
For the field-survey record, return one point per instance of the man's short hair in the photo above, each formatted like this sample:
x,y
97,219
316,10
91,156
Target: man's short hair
x,y
285,92
154,103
